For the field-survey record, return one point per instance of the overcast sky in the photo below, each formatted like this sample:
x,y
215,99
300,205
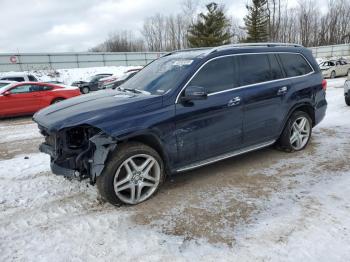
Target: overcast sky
x,y
77,25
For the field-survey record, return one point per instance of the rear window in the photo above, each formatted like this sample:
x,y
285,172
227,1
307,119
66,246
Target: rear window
x,y
295,65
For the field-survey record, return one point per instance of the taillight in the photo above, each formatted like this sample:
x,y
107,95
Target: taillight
x,y
324,84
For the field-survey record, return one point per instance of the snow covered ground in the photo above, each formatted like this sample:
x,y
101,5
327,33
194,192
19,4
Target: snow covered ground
x,y
263,206
68,76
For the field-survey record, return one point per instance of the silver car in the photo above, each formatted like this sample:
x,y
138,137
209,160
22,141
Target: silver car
x,y
334,68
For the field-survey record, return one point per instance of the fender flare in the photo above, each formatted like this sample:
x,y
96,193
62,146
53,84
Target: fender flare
x,y
292,110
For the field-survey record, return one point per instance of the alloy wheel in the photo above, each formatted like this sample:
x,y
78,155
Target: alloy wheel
x,y
300,133
137,178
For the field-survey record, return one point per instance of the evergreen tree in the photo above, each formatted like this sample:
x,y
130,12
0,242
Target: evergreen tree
x,y
211,29
256,21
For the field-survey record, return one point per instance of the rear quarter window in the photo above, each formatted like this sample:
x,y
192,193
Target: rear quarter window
x,y
295,65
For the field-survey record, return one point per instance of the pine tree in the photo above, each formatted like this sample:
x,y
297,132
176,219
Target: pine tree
x,y
256,21
211,29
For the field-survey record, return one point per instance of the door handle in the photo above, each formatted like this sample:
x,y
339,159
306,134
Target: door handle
x,y
283,90
234,101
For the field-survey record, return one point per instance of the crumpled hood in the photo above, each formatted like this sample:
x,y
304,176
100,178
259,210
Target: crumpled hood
x,y
95,109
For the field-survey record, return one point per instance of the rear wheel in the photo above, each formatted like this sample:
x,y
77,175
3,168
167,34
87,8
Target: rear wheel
x,y
297,132
132,174
333,74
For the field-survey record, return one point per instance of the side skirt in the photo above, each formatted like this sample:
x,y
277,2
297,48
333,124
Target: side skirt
x,y
225,156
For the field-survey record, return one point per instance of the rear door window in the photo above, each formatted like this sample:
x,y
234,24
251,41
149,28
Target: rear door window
x,y
276,70
295,65
254,69
37,88
217,75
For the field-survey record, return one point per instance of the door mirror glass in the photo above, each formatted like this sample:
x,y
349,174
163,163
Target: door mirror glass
x,y
7,93
194,93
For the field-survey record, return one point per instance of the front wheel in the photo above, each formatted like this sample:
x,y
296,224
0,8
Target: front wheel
x,y
297,132
132,174
333,74
57,100
85,90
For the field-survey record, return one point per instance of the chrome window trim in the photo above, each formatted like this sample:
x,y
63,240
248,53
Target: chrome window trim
x,y
245,86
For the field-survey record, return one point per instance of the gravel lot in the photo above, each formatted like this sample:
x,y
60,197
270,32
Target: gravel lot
x,y
263,206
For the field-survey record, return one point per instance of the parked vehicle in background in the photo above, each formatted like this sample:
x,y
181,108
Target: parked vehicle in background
x,y
26,98
185,110
19,77
347,91
334,68
118,81
78,83
91,84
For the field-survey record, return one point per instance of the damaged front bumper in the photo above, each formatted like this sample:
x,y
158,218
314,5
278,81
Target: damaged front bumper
x,y
78,153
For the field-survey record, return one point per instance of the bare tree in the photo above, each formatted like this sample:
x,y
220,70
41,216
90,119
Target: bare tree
x,y
120,42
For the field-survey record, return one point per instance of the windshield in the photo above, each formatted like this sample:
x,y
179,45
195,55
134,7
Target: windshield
x,y
96,78
3,86
161,75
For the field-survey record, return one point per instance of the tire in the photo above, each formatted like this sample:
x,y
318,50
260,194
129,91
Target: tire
x,y
294,138
57,100
85,90
347,100
120,172
333,74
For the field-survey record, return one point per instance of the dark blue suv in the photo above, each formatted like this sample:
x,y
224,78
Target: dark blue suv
x,y
185,110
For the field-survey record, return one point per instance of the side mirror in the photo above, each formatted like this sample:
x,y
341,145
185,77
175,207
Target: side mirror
x,y
7,93
194,93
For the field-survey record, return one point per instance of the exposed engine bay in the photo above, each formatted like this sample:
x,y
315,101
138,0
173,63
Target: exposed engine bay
x,y
77,152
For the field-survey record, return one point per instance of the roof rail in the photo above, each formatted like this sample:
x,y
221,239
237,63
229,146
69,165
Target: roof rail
x,y
254,45
190,49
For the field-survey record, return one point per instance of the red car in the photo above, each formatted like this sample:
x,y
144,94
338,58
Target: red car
x,y
26,98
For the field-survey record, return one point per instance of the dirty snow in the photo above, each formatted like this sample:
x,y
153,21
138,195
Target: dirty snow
x,y
299,206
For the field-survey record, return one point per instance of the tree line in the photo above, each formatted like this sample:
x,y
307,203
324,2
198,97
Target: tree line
x,y
265,21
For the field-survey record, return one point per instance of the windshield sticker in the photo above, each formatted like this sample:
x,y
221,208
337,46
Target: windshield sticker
x,y
182,62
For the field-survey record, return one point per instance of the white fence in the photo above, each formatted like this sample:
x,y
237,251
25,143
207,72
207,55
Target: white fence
x,y
331,51
50,61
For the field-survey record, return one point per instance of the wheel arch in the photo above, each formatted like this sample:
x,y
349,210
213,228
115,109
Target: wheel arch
x,y
57,98
152,141
305,107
